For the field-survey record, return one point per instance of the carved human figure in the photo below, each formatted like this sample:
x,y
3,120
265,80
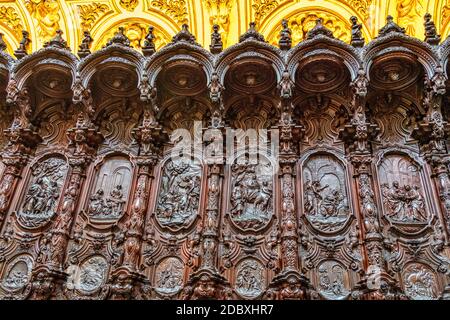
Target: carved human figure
x,y
92,274
331,280
169,276
39,203
251,194
403,204
179,194
250,279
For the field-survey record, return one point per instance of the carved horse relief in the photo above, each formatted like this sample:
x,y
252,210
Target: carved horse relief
x,y
110,193
250,278
332,280
325,200
169,276
18,274
179,193
419,282
402,191
251,201
41,198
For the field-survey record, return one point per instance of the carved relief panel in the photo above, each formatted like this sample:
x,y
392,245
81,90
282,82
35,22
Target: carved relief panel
x,y
39,202
325,200
333,282
251,194
169,275
178,198
109,194
419,282
402,191
17,274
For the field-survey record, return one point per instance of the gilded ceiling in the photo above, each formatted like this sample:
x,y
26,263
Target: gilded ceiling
x,y
41,18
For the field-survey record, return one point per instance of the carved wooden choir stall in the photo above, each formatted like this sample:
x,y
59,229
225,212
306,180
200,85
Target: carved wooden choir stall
x,y
93,205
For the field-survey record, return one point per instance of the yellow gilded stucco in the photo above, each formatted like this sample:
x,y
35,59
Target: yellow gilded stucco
x,y
41,18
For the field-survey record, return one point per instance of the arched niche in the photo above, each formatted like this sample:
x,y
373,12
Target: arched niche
x,y
326,199
40,198
178,196
110,190
403,191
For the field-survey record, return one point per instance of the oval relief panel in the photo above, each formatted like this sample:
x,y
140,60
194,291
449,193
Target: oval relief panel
x,y
41,198
250,279
251,200
402,191
18,273
333,281
110,194
92,274
325,201
419,282
179,193
169,276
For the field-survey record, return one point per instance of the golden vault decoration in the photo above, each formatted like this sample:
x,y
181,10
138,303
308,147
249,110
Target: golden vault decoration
x,y
42,18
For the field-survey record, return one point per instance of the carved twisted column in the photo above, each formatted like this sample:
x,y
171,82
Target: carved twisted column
x,y
376,283
22,139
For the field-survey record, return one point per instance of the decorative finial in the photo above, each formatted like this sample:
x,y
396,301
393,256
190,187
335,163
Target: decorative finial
x,y
85,46
252,34
319,29
285,42
216,40
390,27
2,43
431,36
57,41
22,51
149,46
185,35
357,38
119,38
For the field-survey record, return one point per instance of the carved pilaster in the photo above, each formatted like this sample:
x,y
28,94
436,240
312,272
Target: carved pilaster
x,y
127,281
431,134
376,283
22,138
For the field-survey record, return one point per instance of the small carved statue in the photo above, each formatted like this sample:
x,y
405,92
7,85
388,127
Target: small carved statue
x,y
149,46
85,46
390,27
22,51
286,85
357,38
431,36
57,41
216,45
215,88
119,38
285,42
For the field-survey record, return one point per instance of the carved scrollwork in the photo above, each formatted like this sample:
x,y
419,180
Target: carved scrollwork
x,y
419,282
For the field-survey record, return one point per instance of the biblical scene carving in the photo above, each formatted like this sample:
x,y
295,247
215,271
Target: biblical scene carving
x,y
251,201
92,274
325,195
250,278
110,193
333,280
179,193
169,276
40,200
402,191
18,274
419,282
